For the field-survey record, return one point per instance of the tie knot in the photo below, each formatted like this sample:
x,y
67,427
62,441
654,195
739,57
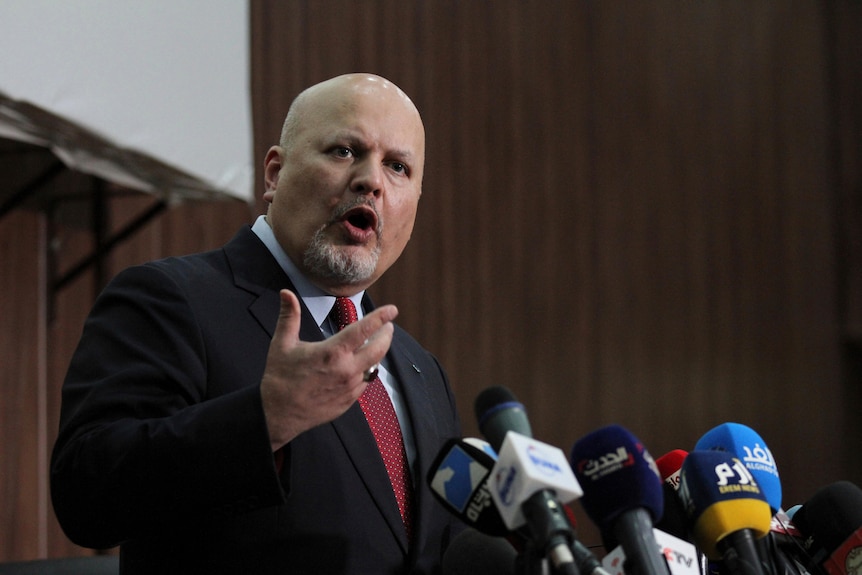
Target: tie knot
x,y
344,312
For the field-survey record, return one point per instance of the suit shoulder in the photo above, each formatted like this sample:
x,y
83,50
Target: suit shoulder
x,y
201,266
422,359
181,272
410,345
191,264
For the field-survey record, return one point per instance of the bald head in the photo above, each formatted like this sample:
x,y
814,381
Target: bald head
x,y
340,89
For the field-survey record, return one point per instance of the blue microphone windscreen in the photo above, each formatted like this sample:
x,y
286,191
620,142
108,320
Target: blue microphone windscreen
x,y
617,474
746,445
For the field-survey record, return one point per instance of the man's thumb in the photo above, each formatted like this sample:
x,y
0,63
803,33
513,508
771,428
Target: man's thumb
x,y
287,328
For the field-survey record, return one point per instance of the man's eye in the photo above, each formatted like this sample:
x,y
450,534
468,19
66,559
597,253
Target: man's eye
x,y
398,167
343,152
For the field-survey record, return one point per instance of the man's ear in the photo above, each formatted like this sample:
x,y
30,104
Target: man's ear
x,y
271,169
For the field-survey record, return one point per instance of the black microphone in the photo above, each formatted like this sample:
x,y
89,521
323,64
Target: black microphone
x,y
782,548
831,524
673,519
524,498
498,412
472,552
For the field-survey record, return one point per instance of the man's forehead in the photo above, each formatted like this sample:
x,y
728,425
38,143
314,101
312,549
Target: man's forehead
x,y
359,90
367,122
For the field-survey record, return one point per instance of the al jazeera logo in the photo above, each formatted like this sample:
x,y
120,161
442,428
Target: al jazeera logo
x,y
847,559
853,563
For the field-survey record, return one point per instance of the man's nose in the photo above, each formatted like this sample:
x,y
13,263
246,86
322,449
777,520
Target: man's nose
x,y
368,178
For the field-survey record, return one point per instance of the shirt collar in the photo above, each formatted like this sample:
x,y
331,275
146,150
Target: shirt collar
x,y
318,302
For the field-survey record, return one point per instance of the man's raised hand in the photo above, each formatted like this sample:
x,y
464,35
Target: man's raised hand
x,y
306,384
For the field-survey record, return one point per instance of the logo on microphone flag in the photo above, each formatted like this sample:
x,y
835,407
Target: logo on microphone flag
x,y
457,477
847,559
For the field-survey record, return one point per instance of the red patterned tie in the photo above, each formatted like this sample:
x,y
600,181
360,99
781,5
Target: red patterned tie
x,y
384,425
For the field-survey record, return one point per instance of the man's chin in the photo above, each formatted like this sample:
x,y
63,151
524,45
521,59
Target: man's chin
x,y
344,265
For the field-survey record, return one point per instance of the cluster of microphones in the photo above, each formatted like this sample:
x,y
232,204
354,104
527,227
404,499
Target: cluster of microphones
x,y
715,510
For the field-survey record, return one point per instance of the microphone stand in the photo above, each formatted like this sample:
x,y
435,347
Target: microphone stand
x,y
531,561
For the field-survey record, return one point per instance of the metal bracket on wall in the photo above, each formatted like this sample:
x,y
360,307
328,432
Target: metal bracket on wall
x,y
27,190
104,244
95,222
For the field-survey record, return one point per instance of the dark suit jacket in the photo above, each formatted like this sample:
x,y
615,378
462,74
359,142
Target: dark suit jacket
x,y
163,446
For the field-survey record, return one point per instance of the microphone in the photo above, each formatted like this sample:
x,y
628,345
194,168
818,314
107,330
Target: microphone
x,y
792,511
789,540
584,558
746,445
749,447
681,556
498,412
831,524
622,495
727,508
530,481
459,480
472,552
782,548
673,519
669,466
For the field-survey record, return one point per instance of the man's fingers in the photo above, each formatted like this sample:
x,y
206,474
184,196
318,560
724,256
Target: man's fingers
x,y
369,339
374,348
356,334
287,327
378,343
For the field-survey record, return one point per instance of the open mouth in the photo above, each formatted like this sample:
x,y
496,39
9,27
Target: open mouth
x,y
361,218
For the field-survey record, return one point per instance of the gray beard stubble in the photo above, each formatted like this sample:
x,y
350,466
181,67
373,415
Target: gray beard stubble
x,y
325,260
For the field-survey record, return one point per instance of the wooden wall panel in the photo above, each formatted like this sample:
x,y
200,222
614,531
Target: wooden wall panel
x,y
22,380
844,20
69,309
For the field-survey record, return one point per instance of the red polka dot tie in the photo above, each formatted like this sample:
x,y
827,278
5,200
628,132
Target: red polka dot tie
x,y
380,414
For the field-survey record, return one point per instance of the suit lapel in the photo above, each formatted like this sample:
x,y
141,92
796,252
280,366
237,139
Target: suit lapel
x,y
256,271
426,434
358,441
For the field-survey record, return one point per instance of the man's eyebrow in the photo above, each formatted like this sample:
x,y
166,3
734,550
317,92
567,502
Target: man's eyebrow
x,y
339,137
402,154
357,140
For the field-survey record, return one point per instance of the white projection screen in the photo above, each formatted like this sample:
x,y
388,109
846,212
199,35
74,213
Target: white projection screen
x,y
153,96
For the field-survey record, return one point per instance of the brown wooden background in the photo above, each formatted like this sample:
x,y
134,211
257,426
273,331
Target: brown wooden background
x,y
645,213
